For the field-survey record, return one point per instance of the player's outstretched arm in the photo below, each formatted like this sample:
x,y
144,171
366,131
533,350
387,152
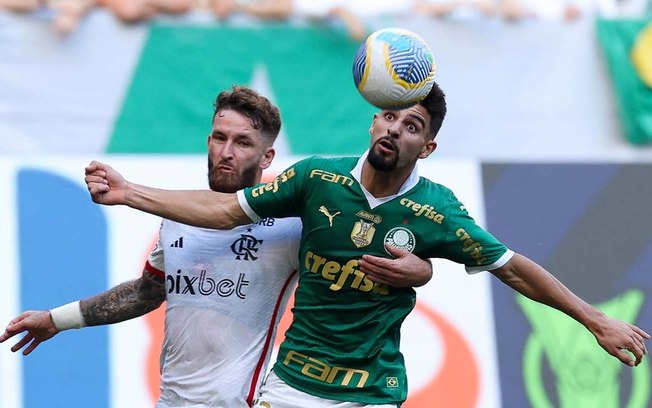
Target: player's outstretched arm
x,y
614,336
201,208
125,301
404,270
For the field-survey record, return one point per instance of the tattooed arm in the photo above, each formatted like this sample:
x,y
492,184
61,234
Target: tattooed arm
x,y
122,302
125,301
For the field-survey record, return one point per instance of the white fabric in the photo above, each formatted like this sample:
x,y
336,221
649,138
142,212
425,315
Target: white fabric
x,y
314,9
277,394
499,263
68,316
225,291
411,181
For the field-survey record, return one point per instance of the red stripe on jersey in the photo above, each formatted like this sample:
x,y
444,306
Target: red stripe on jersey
x,y
153,271
268,340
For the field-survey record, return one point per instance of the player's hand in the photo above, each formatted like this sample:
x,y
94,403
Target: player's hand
x,y
405,270
38,325
105,185
622,340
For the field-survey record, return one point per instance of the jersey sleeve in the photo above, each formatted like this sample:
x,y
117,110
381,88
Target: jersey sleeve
x,y
295,242
470,244
155,264
281,197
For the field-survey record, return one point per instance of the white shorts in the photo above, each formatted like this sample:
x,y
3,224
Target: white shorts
x,y
277,394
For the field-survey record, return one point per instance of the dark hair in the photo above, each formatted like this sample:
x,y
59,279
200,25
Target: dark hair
x,y
435,104
263,114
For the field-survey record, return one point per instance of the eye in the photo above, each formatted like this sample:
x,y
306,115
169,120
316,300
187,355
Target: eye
x,y
389,116
411,128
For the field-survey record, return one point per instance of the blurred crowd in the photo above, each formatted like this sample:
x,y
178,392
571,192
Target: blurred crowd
x,y
352,14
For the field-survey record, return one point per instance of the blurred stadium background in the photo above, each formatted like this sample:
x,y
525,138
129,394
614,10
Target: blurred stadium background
x,y
548,141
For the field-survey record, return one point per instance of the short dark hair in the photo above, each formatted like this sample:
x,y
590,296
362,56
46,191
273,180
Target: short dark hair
x,y
435,104
263,114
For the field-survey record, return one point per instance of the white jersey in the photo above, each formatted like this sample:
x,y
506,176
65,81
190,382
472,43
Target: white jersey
x,y
226,292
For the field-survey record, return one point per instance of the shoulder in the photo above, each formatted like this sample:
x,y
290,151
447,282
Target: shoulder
x,y
427,186
328,162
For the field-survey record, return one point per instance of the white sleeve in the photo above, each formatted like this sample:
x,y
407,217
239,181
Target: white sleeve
x,y
242,200
156,258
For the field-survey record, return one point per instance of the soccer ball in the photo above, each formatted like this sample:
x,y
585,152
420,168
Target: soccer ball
x,y
394,68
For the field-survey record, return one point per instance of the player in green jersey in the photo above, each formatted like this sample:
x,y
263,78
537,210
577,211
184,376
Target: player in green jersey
x,y
343,343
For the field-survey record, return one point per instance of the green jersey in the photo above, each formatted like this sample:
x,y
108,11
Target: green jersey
x,y
343,343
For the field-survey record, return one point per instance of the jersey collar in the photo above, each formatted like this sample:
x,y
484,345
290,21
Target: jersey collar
x,y
411,181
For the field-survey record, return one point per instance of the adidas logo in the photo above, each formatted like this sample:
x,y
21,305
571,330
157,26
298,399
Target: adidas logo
x,y
178,243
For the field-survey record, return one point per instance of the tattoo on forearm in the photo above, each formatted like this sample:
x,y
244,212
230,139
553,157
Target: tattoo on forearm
x,y
125,301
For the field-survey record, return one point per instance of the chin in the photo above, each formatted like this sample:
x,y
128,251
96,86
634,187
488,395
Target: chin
x,y
225,185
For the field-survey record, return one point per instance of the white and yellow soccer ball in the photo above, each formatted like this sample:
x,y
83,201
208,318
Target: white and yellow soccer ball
x,y
394,68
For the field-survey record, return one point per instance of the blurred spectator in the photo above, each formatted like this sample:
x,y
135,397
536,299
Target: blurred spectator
x,y
559,10
21,6
133,11
622,8
456,9
310,10
68,13
263,9
355,14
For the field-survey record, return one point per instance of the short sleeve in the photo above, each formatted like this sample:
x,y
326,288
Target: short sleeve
x,y
281,197
470,244
156,260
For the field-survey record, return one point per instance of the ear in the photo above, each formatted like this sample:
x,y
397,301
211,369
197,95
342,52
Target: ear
x,y
428,149
208,140
267,158
373,123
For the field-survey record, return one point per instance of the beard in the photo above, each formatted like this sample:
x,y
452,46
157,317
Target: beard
x,y
231,182
382,162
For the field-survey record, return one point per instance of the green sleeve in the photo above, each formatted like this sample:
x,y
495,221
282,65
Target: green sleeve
x,y
470,244
283,196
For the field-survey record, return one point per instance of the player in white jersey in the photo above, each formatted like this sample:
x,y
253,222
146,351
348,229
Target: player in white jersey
x,y
239,281
225,290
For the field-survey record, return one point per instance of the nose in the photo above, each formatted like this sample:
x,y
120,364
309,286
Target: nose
x,y
227,151
394,130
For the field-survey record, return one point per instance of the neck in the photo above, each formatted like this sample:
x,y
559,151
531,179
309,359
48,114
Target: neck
x,y
383,183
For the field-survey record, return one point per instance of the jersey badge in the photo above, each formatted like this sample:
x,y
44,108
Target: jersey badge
x,y
362,233
245,247
330,216
400,237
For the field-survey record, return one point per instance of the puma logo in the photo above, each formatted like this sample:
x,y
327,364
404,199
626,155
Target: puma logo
x,y
324,211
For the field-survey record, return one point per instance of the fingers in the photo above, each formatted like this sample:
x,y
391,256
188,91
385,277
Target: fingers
x,y
93,167
96,185
15,326
95,178
31,347
377,269
26,339
396,252
632,350
8,334
640,331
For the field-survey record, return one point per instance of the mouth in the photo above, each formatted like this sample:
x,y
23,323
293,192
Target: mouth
x,y
387,145
223,168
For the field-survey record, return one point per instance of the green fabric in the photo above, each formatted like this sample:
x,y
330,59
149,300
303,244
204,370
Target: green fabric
x,y
343,343
634,98
168,107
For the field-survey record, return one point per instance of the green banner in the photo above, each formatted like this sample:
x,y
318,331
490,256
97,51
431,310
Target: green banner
x,y
306,71
618,39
